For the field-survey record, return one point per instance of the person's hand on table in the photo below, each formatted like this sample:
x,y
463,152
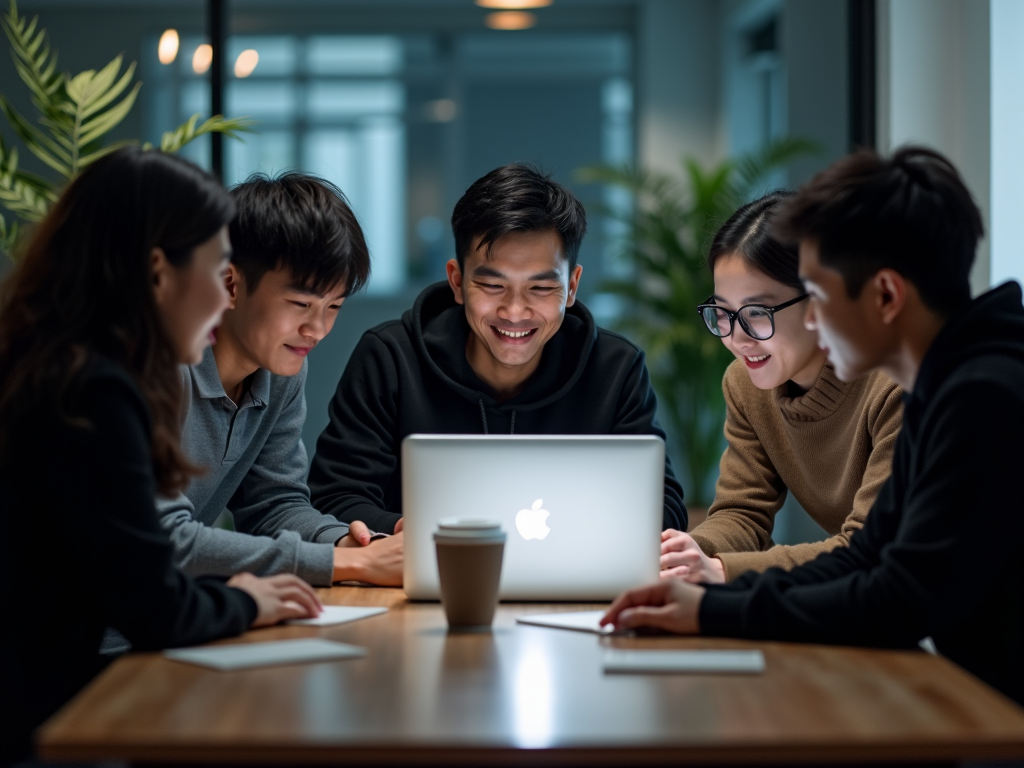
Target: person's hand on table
x,y
380,562
278,598
359,535
670,604
683,558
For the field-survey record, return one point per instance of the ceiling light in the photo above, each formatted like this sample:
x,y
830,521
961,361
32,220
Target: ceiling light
x,y
246,62
513,5
167,49
202,59
510,20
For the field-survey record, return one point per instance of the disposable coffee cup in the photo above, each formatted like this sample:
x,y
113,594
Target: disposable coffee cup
x,y
469,555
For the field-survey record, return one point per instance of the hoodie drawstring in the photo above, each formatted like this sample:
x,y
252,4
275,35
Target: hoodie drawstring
x,y
483,418
483,415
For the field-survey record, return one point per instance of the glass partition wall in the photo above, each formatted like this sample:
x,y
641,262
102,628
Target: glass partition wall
x,y
403,121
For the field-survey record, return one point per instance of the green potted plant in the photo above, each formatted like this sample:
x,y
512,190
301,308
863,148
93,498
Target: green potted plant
x,y
76,112
669,231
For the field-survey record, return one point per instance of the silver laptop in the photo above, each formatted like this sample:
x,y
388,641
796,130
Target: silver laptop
x,y
582,514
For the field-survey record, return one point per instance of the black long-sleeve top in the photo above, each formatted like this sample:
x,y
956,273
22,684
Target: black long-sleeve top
x,y
941,552
411,376
81,550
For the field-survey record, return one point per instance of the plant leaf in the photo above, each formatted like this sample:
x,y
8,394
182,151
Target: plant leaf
x,y
106,121
38,144
92,157
112,92
231,127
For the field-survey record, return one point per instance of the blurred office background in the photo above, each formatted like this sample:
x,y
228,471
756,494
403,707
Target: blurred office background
x,y
404,103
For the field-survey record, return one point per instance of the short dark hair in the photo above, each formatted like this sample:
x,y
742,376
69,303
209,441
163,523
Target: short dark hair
x,y
910,212
517,198
302,223
748,233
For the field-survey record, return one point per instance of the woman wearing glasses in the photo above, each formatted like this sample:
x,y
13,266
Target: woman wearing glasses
x,y
791,425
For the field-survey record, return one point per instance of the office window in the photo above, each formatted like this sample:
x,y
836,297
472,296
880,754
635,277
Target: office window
x,y
404,123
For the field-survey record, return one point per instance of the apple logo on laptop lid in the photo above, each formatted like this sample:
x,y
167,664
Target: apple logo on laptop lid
x,y
530,522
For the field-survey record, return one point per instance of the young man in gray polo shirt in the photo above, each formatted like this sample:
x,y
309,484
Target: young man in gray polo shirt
x,y
298,252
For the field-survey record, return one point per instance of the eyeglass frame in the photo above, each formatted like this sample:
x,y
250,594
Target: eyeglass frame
x,y
734,315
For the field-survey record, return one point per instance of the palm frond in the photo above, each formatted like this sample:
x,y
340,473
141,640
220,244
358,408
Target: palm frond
x,y
21,193
34,60
8,237
755,166
38,143
231,127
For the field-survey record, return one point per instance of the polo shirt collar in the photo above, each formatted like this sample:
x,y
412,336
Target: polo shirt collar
x,y
207,380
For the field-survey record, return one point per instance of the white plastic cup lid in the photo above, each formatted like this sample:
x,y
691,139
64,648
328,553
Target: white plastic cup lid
x,y
468,528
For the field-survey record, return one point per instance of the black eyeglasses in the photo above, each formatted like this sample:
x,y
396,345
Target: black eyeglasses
x,y
756,320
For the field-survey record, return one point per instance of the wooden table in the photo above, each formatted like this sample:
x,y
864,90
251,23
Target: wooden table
x,y
530,695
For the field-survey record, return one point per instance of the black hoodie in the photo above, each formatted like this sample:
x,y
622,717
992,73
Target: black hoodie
x,y
412,376
941,552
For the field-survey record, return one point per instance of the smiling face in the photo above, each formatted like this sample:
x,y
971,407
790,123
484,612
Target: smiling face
x,y
791,354
278,324
191,299
515,299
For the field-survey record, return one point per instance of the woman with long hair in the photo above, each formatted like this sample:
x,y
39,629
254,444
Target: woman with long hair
x,y
791,425
121,283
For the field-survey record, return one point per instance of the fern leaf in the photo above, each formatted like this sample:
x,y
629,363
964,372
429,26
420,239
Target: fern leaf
x,y
86,160
112,92
18,194
39,144
107,121
231,127
37,64
8,237
102,82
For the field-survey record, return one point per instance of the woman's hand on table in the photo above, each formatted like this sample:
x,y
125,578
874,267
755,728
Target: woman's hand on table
x,y
278,598
682,557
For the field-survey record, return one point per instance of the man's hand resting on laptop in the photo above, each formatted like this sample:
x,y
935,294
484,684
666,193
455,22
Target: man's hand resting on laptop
x,y
683,558
670,604
377,562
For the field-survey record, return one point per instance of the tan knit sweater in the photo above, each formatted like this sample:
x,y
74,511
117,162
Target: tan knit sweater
x,y
831,447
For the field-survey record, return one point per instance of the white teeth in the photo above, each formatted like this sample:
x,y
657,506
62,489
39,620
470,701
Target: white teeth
x,y
757,359
513,334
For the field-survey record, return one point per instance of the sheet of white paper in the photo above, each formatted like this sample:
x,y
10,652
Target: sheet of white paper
x,y
646,662
338,614
245,655
581,621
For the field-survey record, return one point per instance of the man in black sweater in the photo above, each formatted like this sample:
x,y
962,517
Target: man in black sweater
x,y
886,248
503,347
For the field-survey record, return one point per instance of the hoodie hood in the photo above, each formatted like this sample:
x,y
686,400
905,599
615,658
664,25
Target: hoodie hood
x,y
990,325
438,328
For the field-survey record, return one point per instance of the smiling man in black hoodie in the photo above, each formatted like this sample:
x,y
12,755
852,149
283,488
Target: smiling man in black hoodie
x,y
502,347
886,248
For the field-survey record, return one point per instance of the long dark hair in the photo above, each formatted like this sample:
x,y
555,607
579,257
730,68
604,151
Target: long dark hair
x,y
84,287
748,233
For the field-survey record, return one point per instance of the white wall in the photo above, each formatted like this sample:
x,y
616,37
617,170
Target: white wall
x,y
1007,202
933,89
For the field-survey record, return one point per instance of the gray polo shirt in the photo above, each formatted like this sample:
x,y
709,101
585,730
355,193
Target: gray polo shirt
x,y
256,469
